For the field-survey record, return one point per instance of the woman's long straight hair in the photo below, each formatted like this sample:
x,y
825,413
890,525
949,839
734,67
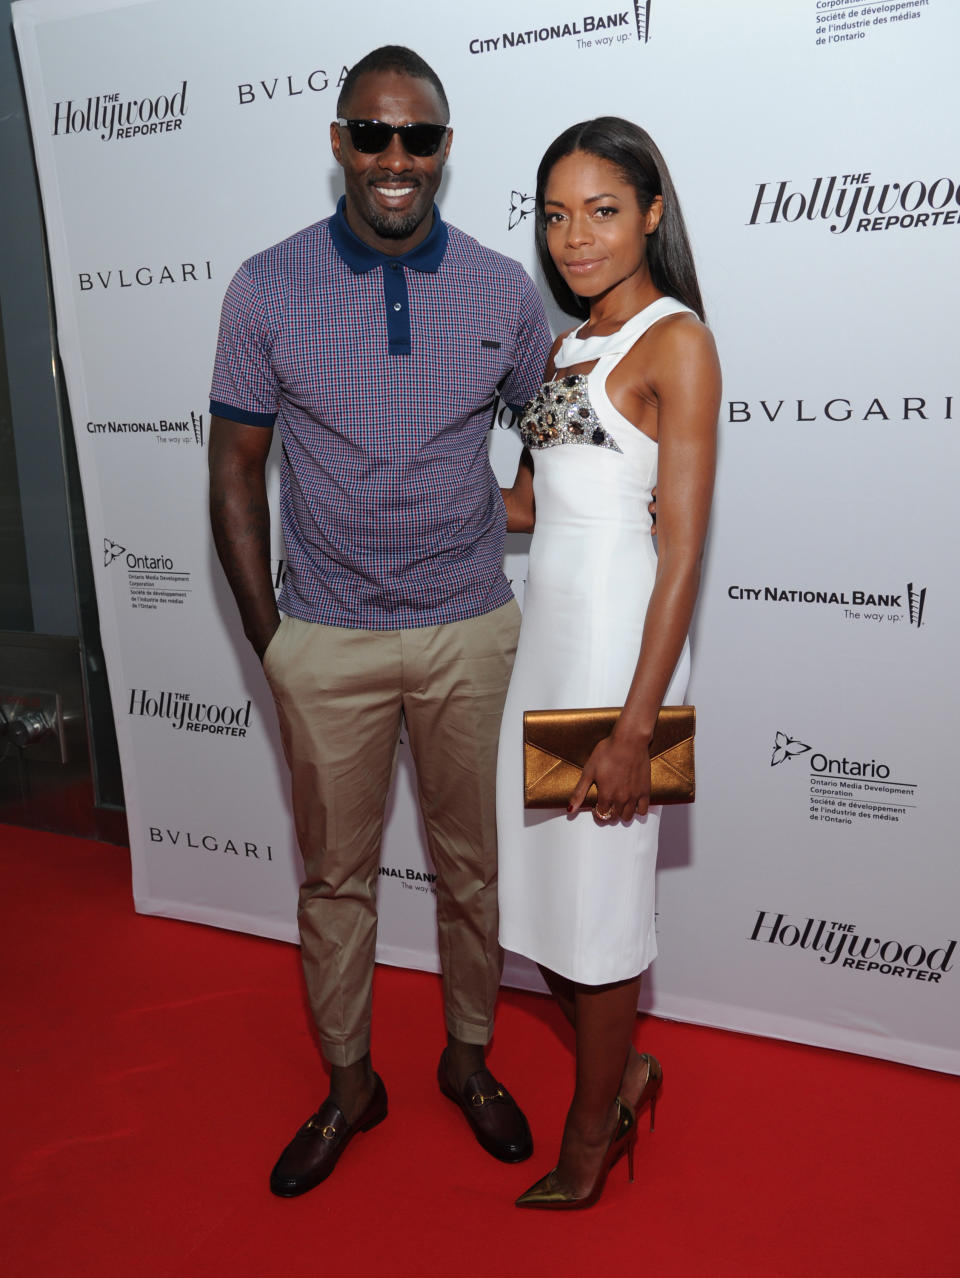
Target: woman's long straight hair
x,y
636,155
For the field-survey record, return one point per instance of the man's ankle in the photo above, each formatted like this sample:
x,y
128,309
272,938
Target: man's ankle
x,y
463,1059
351,1087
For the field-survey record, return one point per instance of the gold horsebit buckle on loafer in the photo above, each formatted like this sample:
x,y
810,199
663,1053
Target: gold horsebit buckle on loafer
x,y
328,1132
478,1099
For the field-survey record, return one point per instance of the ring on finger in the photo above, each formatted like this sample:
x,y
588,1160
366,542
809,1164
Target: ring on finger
x,y
604,816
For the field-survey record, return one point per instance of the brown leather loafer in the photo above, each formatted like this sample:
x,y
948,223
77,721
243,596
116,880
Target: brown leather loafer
x,y
494,1116
313,1153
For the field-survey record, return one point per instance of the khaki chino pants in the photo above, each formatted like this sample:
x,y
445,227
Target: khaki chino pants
x,y
341,696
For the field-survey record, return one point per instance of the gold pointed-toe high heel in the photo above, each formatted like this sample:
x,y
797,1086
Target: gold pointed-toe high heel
x,y
548,1195
650,1090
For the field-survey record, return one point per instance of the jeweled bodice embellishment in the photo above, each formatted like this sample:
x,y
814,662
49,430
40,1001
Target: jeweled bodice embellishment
x,y
561,413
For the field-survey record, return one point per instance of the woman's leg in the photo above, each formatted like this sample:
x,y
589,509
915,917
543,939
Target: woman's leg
x,y
637,1068
603,1018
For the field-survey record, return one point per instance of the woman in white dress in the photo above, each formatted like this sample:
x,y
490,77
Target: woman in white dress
x,y
631,401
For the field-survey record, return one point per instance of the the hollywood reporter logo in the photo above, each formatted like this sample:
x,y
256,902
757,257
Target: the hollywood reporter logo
x,y
854,199
840,944
113,118
186,715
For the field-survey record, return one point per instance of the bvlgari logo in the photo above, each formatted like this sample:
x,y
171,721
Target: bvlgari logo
x,y
119,277
845,945
112,117
855,201
786,748
191,840
276,88
521,206
892,408
589,30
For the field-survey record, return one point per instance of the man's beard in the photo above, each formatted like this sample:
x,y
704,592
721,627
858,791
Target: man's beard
x,y
395,226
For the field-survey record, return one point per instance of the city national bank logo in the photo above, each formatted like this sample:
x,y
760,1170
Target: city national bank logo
x,y
153,581
841,945
172,430
855,201
590,30
183,714
868,607
112,118
521,206
410,880
188,839
844,790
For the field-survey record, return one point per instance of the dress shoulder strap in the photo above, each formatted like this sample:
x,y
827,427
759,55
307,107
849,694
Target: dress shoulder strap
x,y
583,350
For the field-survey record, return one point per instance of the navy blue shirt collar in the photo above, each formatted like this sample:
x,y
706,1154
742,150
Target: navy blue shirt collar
x,y
361,258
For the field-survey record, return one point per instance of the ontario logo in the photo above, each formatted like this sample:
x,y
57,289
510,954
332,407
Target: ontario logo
x,y
786,748
111,551
842,789
147,563
590,30
521,207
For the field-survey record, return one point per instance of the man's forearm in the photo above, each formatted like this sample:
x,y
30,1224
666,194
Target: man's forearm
x,y
240,517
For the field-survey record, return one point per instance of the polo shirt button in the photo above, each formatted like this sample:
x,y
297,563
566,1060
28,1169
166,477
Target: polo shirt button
x,y
397,306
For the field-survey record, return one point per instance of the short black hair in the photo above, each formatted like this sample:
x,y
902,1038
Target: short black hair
x,y
392,57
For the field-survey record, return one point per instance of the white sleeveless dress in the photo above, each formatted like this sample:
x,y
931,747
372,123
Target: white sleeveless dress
x,y
576,896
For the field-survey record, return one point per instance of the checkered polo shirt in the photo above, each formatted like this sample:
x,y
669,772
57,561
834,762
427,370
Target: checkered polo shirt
x,y
381,373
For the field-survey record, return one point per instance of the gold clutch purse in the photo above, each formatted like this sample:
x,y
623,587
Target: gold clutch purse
x,y
557,744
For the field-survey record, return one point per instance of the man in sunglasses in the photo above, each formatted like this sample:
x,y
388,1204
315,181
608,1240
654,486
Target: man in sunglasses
x,y
378,341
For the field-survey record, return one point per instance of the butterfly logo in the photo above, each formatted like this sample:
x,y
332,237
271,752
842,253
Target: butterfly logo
x,y
785,747
111,551
521,206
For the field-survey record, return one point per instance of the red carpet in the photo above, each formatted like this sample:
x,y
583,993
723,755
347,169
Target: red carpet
x,y
152,1071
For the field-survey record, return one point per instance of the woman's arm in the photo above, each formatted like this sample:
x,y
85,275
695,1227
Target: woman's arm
x,y
686,384
521,512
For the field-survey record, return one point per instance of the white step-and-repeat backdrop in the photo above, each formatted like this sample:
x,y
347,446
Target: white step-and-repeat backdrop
x,y
812,892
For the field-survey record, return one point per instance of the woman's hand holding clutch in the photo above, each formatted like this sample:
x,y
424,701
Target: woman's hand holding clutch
x,y
621,772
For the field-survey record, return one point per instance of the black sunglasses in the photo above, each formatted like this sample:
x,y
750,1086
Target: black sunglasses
x,y
370,137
